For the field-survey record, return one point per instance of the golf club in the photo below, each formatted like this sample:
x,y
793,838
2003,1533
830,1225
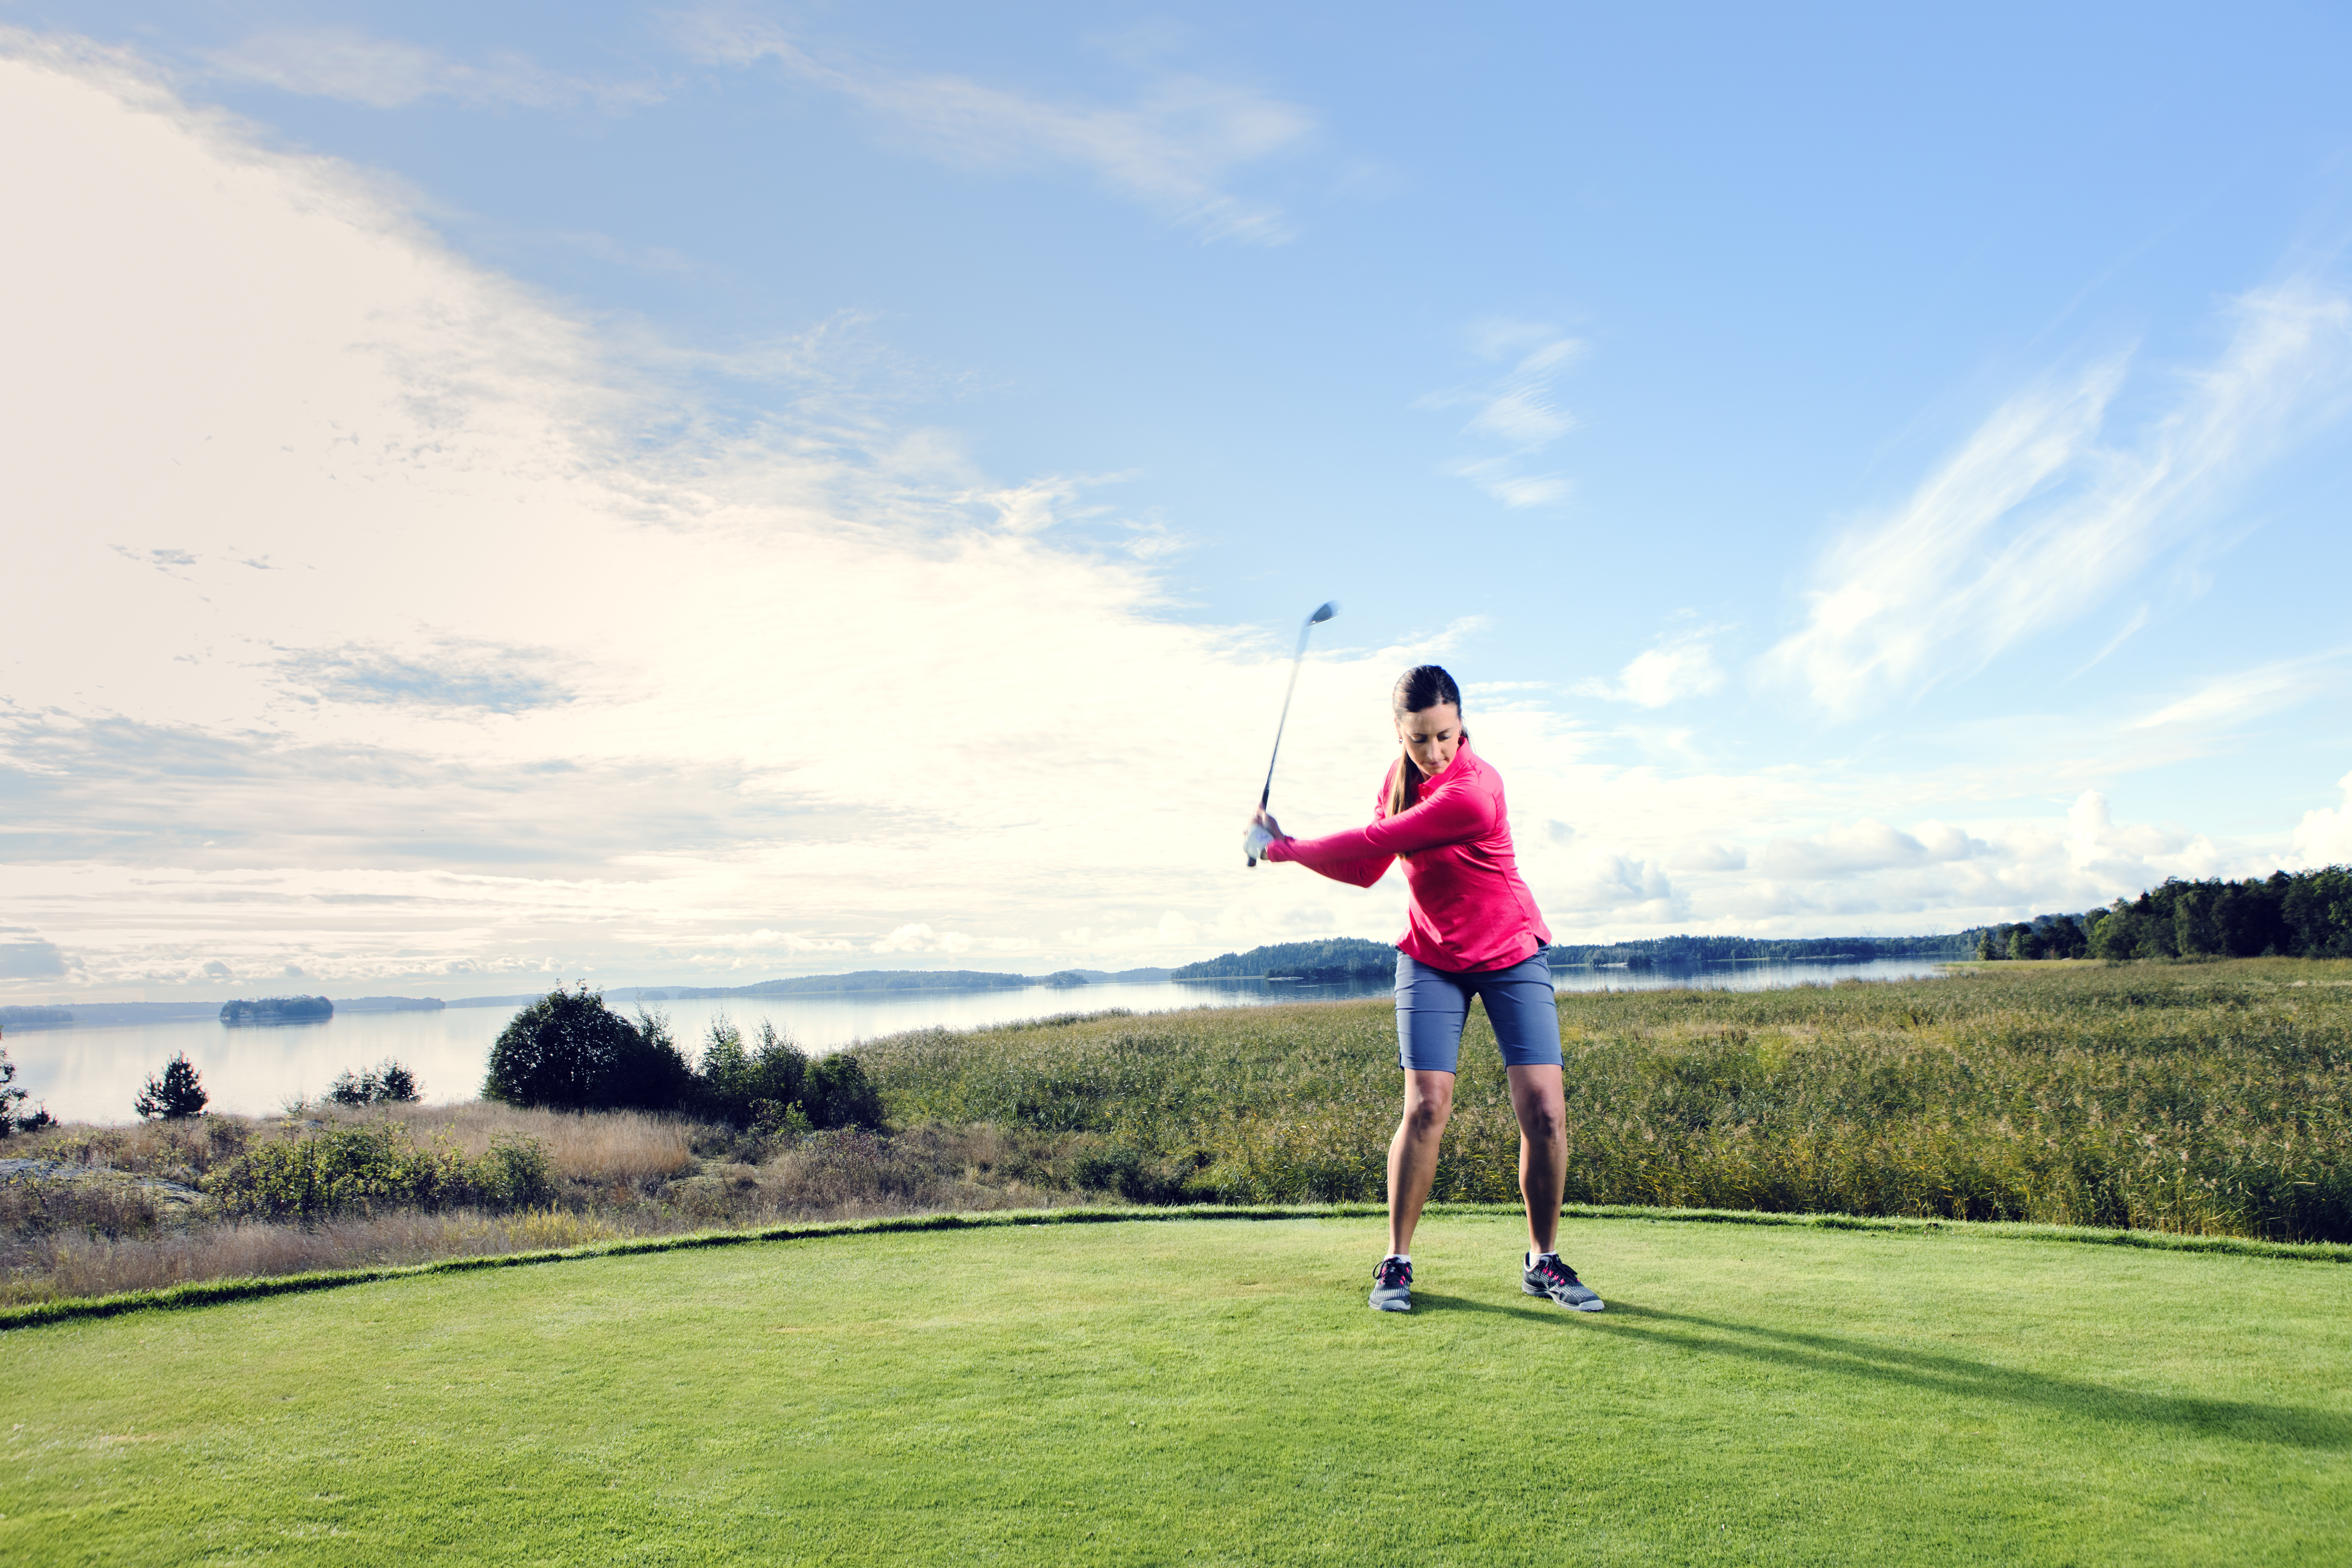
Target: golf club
x,y
1323,611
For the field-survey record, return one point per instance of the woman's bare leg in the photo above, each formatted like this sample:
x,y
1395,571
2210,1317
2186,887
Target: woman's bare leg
x,y
1412,1153
1542,1109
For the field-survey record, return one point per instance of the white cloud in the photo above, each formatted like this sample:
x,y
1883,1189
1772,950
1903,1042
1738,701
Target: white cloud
x,y
1867,845
920,938
354,67
2323,837
1706,857
1518,412
1174,149
1680,666
376,643
2035,521
382,644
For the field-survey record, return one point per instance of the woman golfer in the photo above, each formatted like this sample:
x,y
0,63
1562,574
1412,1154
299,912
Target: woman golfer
x,y
1473,930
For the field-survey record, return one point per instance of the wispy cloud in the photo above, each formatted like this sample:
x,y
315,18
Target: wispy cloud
x,y
1682,666
2035,520
2233,698
455,673
1516,414
1175,149
354,67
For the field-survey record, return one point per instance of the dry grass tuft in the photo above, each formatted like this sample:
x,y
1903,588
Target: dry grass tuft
x,y
618,1174
85,1265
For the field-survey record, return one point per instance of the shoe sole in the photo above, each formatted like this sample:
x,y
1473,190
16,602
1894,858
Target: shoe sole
x,y
1595,1305
1391,1305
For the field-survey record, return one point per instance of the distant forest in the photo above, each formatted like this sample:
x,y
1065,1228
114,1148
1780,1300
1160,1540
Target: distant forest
x,y
874,980
277,1010
1757,949
2300,914
1332,959
2297,914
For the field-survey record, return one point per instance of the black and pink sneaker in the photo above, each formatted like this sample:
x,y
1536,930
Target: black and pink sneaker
x,y
1547,1276
1393,1286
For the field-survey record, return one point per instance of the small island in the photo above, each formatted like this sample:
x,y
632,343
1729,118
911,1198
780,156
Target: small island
x,y
277,1010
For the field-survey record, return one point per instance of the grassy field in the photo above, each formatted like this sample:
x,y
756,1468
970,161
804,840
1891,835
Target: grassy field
x,y
2198,1099
2209,1098
1215,1391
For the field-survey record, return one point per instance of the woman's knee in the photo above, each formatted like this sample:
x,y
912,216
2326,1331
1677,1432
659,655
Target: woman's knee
x,y
1428,1105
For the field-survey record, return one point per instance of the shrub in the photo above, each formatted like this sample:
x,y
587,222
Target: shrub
x,y
377,1166
839,1094
177,1094
568,1051
734,1083
389,1083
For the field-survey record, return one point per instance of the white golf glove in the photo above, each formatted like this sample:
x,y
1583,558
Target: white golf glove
x,y
1254,842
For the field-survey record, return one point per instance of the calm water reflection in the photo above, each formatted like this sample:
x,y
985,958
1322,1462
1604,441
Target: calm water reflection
x,y
92,1074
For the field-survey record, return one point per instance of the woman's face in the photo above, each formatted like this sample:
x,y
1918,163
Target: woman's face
x,y
1430,737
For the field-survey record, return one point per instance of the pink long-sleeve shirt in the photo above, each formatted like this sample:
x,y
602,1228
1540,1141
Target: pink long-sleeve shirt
x,y
1467,907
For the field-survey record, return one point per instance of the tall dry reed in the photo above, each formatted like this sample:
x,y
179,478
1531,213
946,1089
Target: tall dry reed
x,y
2211,1099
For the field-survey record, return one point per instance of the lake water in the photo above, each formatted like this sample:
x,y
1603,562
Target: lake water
x,y
91,1074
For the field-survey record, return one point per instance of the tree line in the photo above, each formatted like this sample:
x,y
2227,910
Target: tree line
x,y
1333,958
1753,949
2290,914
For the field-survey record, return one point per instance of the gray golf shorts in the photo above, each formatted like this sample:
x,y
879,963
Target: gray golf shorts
x,y
1433,1005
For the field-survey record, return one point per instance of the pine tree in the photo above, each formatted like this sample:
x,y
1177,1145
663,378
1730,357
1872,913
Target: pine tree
x,y
178,1093
12,1096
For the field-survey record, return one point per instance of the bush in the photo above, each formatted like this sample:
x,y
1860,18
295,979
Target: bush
x,y
734,1083
178,1093
839,1094
377,1166
388,1083
568,1051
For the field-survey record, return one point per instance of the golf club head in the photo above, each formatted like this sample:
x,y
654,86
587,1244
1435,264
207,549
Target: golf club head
x,y
1324,611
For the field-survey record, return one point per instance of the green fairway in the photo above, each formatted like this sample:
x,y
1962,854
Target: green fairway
x,y
1215,1391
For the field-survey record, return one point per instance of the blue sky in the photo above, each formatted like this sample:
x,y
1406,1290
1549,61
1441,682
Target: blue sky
x,y
1874,471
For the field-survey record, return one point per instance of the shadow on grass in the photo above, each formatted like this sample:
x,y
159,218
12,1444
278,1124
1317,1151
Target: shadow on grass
x,y
1426,1301
1930,1372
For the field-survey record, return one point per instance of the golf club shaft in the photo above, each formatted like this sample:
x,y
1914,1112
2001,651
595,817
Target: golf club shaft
x,y
1296,659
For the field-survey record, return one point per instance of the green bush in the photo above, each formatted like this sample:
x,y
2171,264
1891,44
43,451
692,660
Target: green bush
x,y
388,1083
733,1082
568,1051
839,1094
376,1167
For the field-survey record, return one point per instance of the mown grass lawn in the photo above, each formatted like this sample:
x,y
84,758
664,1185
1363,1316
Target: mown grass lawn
x,y
1215,1391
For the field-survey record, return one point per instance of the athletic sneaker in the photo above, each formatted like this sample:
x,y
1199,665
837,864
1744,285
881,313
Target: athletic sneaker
x,y
1549,1277
1393,1286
